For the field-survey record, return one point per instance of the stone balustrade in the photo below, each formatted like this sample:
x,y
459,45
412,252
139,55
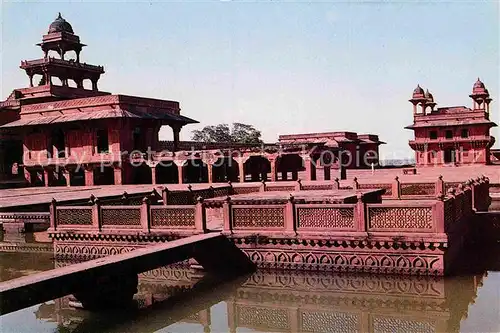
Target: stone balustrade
x,y
389,218
181,220
416,233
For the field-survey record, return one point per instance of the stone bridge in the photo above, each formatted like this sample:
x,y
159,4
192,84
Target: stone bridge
x,y
112,281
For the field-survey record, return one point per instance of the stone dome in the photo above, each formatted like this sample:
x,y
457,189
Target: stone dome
x,y
429,96
60,25
478,84
479,88
418,92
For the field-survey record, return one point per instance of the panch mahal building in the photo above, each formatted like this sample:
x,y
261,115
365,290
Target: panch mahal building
x,y
63,131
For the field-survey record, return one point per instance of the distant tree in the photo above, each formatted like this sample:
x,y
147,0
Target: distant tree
x,y
239,133
243,133
218,133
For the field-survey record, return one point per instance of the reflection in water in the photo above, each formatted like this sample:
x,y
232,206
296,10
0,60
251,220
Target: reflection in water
x,y
284,302
178,299
280,302
14,265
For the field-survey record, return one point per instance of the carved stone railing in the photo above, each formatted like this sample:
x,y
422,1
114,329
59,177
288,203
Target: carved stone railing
x,y
257,218
173,217
146,218
80,217
391,217
28,63
435,215
114,217
326,217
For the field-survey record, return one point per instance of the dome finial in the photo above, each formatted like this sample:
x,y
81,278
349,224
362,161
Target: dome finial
x,y
60,25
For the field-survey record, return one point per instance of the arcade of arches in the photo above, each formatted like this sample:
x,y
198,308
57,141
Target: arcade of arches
x,y
195,170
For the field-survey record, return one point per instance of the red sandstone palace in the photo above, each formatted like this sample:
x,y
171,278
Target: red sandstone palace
x,y
452,135
74,134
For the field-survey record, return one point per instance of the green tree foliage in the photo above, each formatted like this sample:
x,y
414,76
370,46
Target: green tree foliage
x,y
238,133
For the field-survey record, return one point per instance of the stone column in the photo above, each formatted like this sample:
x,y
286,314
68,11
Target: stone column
x,y
310,167
153,174
210,170
273,169
241,168
27,175
118,175
46,177
176,130
209,159
440,156
180,170
66,176
89,175
241,172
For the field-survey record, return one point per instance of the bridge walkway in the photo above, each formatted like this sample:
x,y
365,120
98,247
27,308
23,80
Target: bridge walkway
x,y
112,281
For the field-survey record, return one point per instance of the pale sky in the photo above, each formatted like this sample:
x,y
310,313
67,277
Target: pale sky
x,y
284,67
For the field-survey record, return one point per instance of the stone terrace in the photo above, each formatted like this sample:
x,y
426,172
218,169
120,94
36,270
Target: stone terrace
x,y
11,198
450,174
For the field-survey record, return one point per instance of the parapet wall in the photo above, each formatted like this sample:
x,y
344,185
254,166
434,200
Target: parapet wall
x,y
418,232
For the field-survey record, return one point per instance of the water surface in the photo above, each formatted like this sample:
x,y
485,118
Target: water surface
x,y
176,299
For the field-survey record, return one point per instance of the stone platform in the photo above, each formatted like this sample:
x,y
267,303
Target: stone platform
x,y
32,196
403,228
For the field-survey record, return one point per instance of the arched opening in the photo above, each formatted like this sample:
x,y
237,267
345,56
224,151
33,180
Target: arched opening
x,y
53,54
56,177
167,173
104,176
70,56
72,83
288,166
56,81
257,167
38,80
87,84
195,171
224,170
142,174
449,156
77,177
37,177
